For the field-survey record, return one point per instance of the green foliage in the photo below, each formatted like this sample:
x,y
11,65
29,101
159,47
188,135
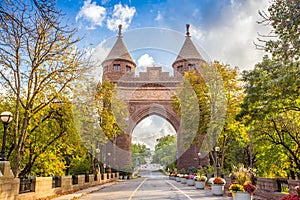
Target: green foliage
x,y
111,109
284,18
38,62
79,166
165,150
272,104
139,153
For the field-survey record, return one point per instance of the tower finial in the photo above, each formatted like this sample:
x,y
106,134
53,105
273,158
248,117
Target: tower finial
x,y
120,30
187,30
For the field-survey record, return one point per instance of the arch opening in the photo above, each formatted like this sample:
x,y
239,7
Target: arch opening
x,y
158,136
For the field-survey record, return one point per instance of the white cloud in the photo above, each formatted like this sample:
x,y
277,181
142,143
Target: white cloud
x,y
121,15
150,129
92,13
232,40
158,17
145,61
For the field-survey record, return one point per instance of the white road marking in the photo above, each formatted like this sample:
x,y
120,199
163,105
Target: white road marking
x,y
187,196
133,193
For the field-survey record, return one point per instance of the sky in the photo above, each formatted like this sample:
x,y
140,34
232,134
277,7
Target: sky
x,y
223,30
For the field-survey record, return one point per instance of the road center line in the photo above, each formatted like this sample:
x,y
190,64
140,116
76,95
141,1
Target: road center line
x,y
187,196
133,193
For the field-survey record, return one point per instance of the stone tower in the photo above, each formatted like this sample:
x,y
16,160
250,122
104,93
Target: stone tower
x,y
149,93
118,62
188,59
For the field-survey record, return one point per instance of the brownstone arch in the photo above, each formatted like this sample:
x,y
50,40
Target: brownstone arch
x,y
149,93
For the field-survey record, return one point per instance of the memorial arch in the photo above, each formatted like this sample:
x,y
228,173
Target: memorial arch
x,y
150,93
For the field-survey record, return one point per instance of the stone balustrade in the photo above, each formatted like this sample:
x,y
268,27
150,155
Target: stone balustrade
x,y
42,187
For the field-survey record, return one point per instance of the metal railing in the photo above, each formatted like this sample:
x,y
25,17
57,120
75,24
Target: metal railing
x,y
25,185
56,181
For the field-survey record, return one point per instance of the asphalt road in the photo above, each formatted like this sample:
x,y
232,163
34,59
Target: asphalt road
x,y
151,186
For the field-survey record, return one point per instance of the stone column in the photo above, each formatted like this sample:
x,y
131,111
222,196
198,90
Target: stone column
x,y
9,186
123,151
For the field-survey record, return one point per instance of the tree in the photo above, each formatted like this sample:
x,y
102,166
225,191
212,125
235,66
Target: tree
x,y
38,62
165,150
218,93
139,154
233,139
112,110
272,118
272,104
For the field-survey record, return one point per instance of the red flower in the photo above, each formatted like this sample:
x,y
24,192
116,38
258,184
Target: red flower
x,y
290,197
249,188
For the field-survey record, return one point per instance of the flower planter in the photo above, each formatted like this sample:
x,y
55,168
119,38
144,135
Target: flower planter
x,y
200,185
178,179
241,196
183,180
217,190
190,182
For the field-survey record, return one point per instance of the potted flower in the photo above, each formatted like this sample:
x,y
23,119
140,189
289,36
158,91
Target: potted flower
x,y
190,181
217,187
184,178
178,177
242,176
200,182
292,196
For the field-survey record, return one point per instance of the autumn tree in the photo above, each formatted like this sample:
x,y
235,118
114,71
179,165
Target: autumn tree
x,y
272,104
111,109
38,62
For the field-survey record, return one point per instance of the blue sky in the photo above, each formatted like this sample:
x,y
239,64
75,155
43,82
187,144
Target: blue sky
x,y
223,30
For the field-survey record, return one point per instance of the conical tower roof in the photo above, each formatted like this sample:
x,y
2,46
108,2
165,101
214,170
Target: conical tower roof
x,y
188,50
119,50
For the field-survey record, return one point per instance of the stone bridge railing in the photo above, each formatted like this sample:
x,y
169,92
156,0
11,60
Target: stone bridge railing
x,y
40,187
271,188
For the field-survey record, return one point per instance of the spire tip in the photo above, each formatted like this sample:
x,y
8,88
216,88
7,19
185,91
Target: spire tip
x,y
120,30
188,30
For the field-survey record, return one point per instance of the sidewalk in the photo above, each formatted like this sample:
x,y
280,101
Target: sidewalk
x,y
84,191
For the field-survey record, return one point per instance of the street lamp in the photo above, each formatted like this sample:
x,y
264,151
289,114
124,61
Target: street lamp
x,y
5,117
108,155
97,156
199,155
217,149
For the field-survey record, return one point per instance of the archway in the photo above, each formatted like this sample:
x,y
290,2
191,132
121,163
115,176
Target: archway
x,y
146,135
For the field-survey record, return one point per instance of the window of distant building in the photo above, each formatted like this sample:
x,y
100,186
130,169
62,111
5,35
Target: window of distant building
x,y
128,68
117,67
180,68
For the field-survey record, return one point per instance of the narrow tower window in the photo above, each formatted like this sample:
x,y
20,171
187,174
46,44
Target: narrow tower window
x,y
128,68
180,68
191,67
117,67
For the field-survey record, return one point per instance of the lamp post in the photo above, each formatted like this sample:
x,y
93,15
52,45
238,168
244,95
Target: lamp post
x,y
108,155
199,155
6,117
217,149
97,156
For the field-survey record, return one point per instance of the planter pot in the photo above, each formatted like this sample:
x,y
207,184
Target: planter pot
x,y
241,196
178,179
217,190
183,180
200,185
190,182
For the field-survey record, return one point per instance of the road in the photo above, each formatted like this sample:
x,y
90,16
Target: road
x,y
151,186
